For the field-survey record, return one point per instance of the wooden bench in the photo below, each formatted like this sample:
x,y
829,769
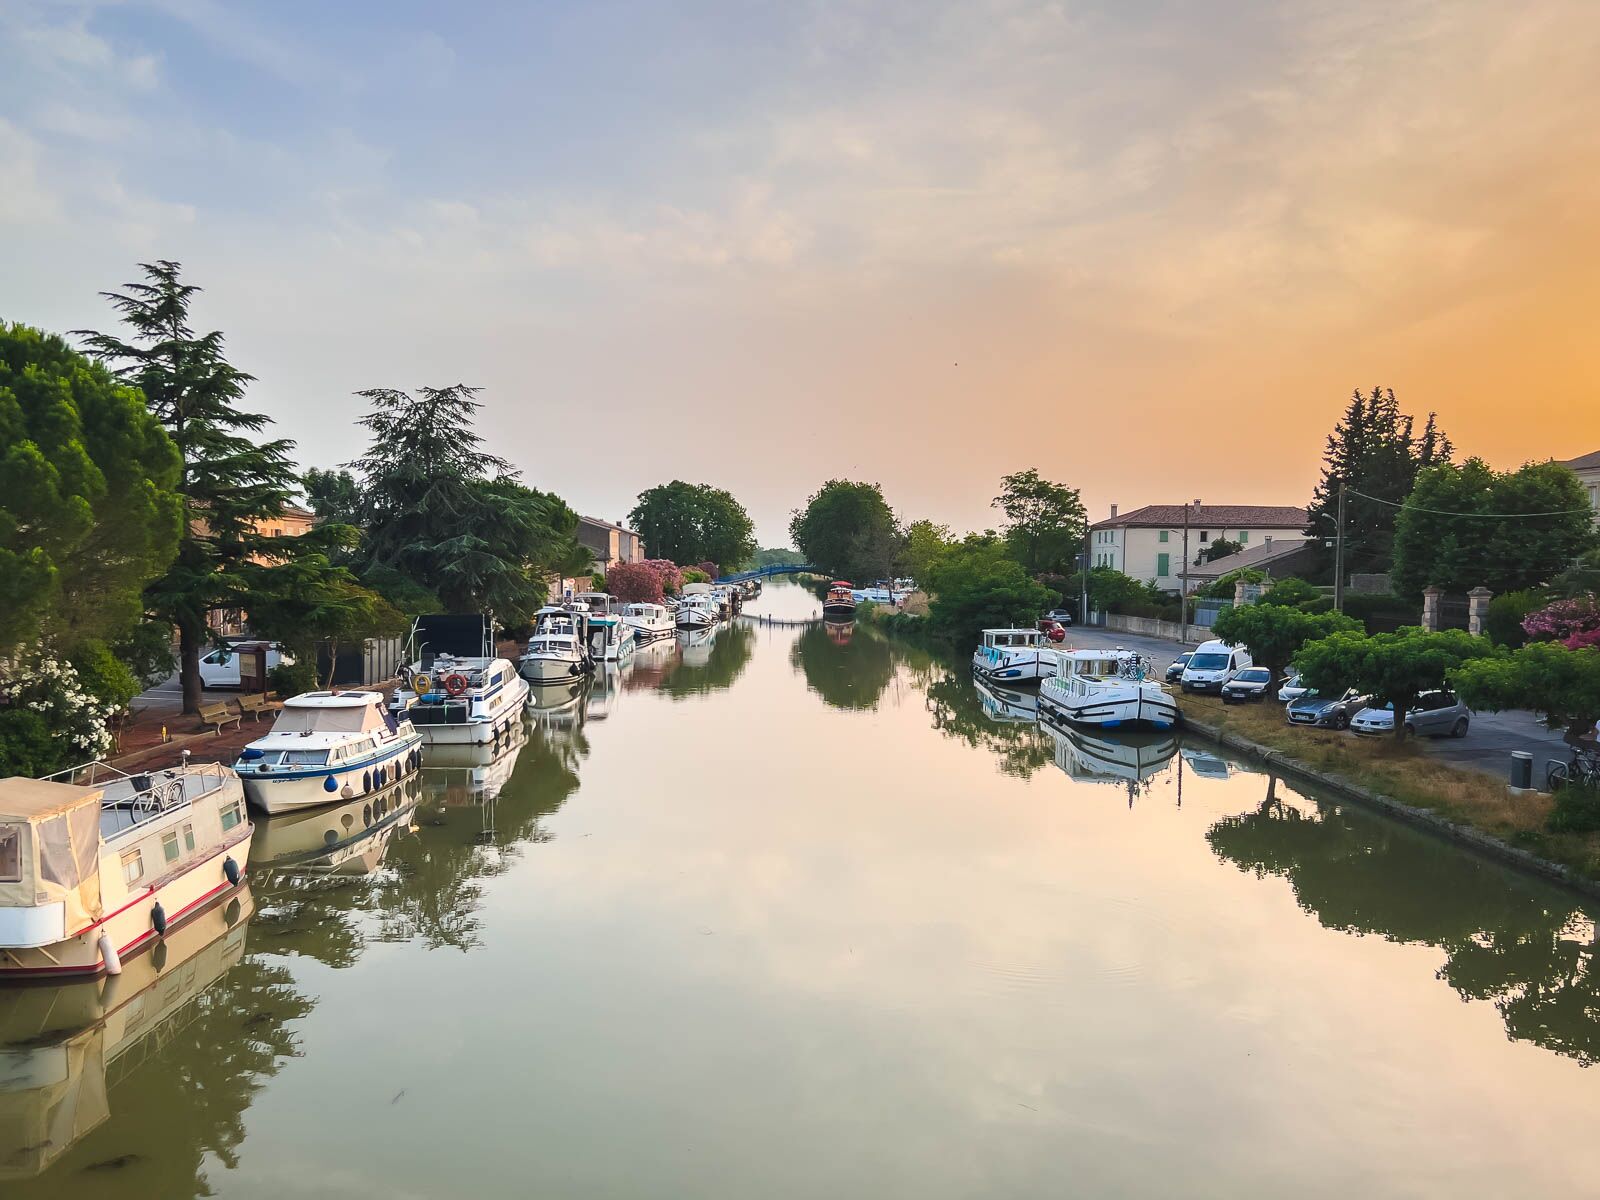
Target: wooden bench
x,y
254,703
217,714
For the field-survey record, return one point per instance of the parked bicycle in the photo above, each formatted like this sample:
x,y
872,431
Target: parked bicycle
x,y
1582,771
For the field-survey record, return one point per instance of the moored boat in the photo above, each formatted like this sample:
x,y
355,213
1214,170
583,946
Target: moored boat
x,y
697,607
558,650
326,747
840,604
649,621
1013,656
1108,688
97,865
457,689
611,639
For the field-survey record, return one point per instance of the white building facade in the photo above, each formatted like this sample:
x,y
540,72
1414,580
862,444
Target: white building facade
x,y
1147,543
1587,468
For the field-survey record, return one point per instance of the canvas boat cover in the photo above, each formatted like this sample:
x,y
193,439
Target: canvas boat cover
x,y
56,832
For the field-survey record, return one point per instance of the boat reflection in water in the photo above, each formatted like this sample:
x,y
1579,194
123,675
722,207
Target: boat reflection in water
x,y
1005,705
63,1049
1131,758
463,776
605,689
342,839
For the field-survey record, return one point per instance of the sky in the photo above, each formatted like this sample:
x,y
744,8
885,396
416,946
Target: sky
x,y
1148,248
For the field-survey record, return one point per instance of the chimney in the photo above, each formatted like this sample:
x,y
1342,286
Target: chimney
x,y
1197,501
1113,510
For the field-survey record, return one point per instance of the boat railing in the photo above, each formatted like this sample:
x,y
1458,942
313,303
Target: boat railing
x,y
144,795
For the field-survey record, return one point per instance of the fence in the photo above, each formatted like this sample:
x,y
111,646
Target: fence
x,y
1172,631
374,661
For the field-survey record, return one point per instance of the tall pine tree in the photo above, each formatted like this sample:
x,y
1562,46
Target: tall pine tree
x,y
1376,452
232,477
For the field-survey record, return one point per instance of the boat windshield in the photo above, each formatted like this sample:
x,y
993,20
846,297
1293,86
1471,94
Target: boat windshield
x,y
322,720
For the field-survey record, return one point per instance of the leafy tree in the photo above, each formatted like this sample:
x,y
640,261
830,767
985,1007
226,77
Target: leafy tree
x,y
695,575
1508,610
877,549
667,574
978,586
635,583
1516,530
441,511
773,557
1112,591
1275,633
694,522
1290,592
232,478
1223,588
837,521
1376,452
89,507
925,542
333,495
1581,578
1542,676
1391,668
1220,548
310,600
1045,521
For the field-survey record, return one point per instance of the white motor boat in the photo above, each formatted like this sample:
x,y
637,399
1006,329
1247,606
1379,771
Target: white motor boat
x,y
457,690
326,747
697,607
649,621
1113,689
611,639
97,865
1013,656
558,650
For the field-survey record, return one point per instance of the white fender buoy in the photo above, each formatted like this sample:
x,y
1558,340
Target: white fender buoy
x,y
108,955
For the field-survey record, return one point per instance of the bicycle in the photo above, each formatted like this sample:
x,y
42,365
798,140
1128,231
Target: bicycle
x,y
1582,771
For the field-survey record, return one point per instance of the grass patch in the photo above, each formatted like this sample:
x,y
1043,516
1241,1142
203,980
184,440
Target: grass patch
x,y
1402,771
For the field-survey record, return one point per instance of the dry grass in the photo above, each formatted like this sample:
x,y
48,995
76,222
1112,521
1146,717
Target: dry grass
x,y
916,604
1404,772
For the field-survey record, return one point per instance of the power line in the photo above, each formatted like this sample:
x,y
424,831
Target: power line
x,y
1439,512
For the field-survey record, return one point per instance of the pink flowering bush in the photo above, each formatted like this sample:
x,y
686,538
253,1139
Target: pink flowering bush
x,y
671,576
634,583
1574,623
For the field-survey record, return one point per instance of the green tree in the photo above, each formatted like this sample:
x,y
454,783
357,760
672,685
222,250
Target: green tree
x,y
333,495
694,522
89,507
1391,668
441,512
1546,677
1296,592
1111,591
1045,521
1274,633
1376,452
925,543
837,521
1469,526
977,585
1223,588
232,477
1220,548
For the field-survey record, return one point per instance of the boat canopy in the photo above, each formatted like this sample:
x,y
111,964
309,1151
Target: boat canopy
x,y
50,847
1012,637
331,712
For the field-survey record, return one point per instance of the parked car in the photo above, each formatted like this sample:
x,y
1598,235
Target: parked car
x,y
1052,630
1175,671
1326,711
1437,714
1293,688
1212,665
1063,615
220,667
1249,684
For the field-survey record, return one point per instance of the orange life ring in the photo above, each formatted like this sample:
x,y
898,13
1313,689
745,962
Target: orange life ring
x,y
455,684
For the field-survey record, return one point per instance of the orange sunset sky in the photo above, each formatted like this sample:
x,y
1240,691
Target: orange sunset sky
x,y
1147,248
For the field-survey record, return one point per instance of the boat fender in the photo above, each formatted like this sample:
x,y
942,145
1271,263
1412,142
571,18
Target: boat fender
x,y
231,870
158,918
366,782
108,955
347,792
330,784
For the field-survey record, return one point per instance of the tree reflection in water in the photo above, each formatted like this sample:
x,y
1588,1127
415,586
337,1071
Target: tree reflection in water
x,y
847,672
957,710
709,666
1527,947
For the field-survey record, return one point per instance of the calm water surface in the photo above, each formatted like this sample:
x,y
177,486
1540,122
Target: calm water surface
x,y
802,912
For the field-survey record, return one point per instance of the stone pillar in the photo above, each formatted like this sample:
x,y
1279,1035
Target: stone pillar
x,y
1478,611
1239,587
1430,608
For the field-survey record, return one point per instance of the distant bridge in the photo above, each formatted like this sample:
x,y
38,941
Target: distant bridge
x,y
774,569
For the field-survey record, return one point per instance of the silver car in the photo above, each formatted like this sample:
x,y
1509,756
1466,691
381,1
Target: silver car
x,y
1437,714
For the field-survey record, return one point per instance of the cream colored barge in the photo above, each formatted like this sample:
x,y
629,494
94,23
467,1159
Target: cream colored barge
x,y
97,864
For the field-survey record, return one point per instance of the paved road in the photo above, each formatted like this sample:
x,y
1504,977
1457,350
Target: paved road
x,y
1487,746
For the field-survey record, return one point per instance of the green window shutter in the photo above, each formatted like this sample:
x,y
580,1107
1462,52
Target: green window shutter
x,y
1163,536
1163,565
1244,537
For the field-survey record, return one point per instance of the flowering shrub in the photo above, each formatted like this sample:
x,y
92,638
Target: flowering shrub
x,y
712,571
1574,623
671,577
635,583
48,719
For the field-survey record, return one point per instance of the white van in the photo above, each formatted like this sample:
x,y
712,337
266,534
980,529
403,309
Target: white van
x,y
219,668
1213,664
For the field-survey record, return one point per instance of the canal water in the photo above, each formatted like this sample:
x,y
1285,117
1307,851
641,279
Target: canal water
x,y
801,912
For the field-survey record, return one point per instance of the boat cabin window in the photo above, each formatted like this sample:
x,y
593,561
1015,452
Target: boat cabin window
x,y
10,854
188,837
230,816
69,853
305,758
169,847
132,866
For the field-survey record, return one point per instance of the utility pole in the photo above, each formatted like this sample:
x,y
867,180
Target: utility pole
x,y
1183,576
1338,556
1083,600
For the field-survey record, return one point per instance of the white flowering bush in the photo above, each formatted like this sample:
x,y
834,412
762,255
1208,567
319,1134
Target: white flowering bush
x,y
48,720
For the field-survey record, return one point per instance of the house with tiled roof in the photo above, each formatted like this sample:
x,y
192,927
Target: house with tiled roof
x,y
1587,468
1148,543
